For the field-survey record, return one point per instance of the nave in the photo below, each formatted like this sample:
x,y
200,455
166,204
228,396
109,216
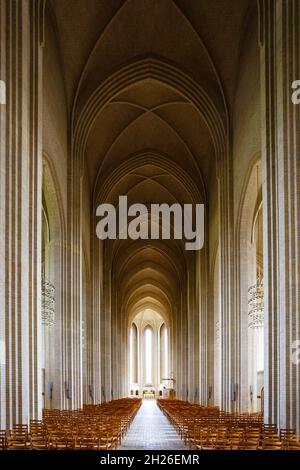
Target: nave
x,y
95,107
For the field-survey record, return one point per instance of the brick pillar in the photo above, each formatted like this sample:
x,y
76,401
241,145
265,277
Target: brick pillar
x,y
280,66
20,209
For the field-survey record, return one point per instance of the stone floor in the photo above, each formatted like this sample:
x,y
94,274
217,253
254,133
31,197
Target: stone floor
x,y
150,430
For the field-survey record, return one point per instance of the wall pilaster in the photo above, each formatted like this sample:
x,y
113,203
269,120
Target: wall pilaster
x,y
280,66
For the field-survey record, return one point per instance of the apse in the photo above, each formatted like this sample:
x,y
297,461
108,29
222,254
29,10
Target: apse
x,y
149,352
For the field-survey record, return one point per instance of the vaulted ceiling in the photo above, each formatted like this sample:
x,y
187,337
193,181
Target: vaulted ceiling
x,y
147,137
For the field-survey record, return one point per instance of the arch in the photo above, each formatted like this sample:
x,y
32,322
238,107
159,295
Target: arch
x,y
246,274
145,303
52,198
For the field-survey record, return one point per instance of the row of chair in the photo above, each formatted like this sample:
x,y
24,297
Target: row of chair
x,y
209,428
95,427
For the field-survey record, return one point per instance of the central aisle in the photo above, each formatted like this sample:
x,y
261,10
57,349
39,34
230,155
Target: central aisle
x,y
151,430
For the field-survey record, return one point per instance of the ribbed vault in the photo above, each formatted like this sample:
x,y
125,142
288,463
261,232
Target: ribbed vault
x,y
149,116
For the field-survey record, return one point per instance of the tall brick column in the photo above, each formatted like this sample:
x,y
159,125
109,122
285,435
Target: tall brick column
x,y
280,66
20,211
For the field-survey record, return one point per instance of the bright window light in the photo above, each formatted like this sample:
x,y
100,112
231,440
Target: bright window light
x,y
131,355
166,352
2,92
148,338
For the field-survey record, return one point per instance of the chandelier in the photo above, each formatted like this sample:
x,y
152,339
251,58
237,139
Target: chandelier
x,y
48,303
256,304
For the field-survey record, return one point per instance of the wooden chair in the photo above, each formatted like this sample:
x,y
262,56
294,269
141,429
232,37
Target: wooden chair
x,y
285,435
220,441
20,429
40,442
291,442
17,443
251,439
271,443
235,440
86,442
3,439
93,427
61,441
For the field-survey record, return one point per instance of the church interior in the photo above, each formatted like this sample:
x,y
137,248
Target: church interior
x,y
165,102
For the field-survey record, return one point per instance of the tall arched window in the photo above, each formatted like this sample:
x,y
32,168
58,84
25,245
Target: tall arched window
x,y
164,352
148,354
133,354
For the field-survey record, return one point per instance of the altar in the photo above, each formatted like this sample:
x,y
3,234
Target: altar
x,y
149,394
